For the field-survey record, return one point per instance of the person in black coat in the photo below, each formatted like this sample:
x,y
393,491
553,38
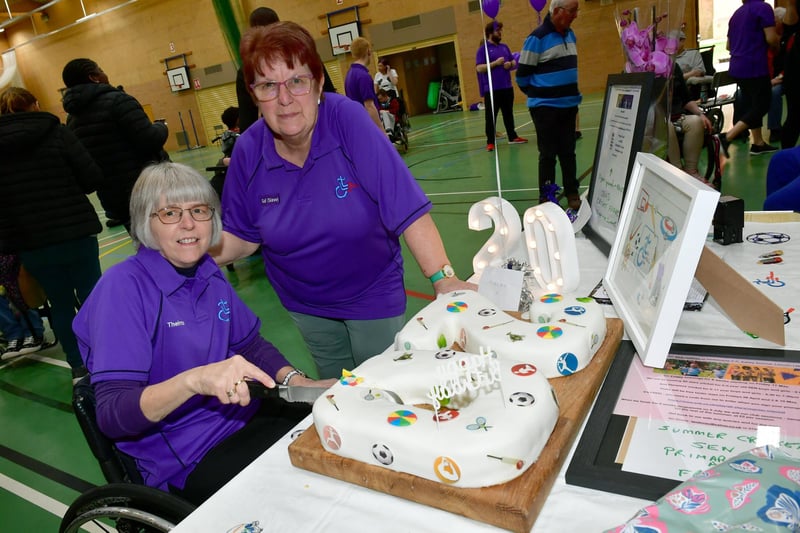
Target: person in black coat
x,y
45,216
113,126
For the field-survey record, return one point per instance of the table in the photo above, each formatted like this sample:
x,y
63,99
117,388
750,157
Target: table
x,y
283,498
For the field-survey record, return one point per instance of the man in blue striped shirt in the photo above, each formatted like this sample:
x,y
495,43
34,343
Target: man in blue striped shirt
x,y
548,74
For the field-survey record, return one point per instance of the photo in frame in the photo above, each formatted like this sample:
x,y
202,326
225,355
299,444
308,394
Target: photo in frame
x,y
341,37
596,462
622,127
665,218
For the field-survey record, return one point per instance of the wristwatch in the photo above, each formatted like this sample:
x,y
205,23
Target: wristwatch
x,y
292,373
446,272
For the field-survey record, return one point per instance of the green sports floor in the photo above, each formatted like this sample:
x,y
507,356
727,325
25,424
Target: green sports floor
x,y
44,460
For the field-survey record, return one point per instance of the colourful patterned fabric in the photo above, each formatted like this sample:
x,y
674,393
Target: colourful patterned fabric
x,y
756,491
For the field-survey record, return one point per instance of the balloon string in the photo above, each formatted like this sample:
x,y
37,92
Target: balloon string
x,y
491,103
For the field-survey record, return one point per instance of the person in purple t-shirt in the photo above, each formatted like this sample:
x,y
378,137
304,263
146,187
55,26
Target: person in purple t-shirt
x,y
501,96
358,85
169,346
751,32
326,196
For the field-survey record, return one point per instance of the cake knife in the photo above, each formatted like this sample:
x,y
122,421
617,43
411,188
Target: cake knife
x,y
287,392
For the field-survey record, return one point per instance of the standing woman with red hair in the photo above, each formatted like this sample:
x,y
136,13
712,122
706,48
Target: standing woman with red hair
x,y
327,197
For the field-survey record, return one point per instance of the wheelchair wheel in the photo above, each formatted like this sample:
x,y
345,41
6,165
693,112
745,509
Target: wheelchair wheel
x,y
126,507
717,119
403,140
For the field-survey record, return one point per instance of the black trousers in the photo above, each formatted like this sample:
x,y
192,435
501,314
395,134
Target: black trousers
x,y
555,138
790,131
271,422
756,95
503,101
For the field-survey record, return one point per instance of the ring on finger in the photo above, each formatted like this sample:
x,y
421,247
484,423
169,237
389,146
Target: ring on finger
x,y
231,392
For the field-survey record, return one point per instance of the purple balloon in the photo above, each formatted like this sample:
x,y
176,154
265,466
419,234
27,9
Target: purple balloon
x,y
538,5
491,7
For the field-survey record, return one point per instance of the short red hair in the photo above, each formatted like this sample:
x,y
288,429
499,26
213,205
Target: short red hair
x,y
280,41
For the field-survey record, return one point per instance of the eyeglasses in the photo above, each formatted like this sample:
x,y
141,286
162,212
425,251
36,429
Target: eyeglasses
x,y
173,215
269,90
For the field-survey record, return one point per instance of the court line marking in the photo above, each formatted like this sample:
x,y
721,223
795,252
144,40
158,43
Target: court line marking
x,y
42,501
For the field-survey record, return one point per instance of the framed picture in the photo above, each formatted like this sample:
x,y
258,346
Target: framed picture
x,y
599,463
663,225
342,36
622,127
179,79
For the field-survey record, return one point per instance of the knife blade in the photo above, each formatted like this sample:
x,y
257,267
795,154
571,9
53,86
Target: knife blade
x,y
287,392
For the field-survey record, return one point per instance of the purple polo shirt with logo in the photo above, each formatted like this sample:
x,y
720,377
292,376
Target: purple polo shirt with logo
x,y
501,78
748,45
144,322
358,85
330,231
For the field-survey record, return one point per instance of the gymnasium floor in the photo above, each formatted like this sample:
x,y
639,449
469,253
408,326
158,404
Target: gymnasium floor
x,y
44,459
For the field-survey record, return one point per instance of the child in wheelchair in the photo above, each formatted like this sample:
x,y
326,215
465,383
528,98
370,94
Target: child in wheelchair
x,y
391,117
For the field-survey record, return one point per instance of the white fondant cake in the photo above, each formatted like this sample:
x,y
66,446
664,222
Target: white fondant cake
x,y
488,433
563,335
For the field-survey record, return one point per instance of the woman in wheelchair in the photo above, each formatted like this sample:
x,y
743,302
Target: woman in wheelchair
x,y
688,119
169,346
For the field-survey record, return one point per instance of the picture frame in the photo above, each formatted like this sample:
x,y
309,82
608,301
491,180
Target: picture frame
x,y
179,79
663,226
622,127
341,36
594,465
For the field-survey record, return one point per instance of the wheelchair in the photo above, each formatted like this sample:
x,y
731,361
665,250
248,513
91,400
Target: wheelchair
x,y
125,503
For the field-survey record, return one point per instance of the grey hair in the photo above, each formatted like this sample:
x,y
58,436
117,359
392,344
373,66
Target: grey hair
x,y
556,3
780,12
172,183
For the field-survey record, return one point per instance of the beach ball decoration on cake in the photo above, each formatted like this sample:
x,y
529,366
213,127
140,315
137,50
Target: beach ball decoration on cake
x,y
549,332
457,307
402,418
349,379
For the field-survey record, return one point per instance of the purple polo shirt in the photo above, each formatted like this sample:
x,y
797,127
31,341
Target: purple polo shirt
x,y
358,85
330,231
144,322
501,78
748,46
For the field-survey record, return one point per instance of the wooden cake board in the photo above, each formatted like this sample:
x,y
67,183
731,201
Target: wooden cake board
x,y
513,505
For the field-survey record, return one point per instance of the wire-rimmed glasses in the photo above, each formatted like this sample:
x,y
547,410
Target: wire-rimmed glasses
x,y
173,214
298,85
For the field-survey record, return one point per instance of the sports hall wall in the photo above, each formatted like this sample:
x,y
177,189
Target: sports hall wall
x,y
425,39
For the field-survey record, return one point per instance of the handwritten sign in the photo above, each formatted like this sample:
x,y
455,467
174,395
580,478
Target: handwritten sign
x,y
676,450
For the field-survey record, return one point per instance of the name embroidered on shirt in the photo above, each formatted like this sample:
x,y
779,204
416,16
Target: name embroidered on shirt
x,y
268,199
175,324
